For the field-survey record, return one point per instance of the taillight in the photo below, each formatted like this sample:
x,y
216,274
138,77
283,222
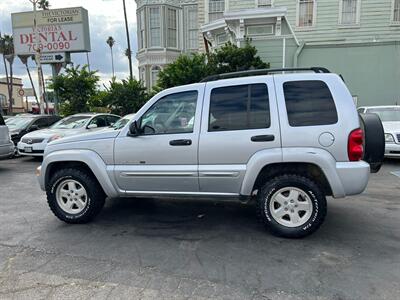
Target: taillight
x,y
355,147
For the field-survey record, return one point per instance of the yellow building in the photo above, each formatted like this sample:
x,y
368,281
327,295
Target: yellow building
x,y
18,102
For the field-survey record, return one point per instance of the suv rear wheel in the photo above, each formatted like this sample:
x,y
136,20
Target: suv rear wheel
x,y
74,196
291,206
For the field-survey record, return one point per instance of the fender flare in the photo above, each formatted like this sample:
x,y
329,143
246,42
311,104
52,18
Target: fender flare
x,y
88,157
319,157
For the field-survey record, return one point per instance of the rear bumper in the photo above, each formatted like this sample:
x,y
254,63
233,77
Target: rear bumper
x,y
6,150
354,176
392,150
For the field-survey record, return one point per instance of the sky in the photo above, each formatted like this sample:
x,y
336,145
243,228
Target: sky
x,y
106,18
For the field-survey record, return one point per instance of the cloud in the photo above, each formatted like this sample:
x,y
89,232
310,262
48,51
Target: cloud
x,y
106,18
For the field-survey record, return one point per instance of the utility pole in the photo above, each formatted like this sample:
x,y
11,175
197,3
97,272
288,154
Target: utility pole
x,y
37,57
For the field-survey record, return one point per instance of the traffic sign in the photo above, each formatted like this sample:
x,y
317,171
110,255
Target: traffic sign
x,y
52,58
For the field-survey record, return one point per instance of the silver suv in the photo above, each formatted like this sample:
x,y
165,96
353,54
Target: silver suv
x,y
285,140
6,145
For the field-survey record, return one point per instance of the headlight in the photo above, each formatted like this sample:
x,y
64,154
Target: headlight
x,y
54,137
389,138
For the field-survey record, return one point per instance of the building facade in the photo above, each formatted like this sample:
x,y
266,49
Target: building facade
x,y
18,100
358,39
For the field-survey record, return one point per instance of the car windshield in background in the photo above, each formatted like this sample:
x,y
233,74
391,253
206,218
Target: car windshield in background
x,y
18,122
122,122
386,114
71,122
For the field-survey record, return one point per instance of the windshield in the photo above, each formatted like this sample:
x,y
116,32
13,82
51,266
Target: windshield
x,y
122,122
387,114
71,122
18,123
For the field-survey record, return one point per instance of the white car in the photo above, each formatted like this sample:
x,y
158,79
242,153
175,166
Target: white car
x,y
390,117
34,143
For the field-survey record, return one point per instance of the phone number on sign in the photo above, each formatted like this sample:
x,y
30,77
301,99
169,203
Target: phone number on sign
x,y
50,46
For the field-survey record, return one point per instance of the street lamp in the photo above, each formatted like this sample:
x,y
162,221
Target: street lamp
x,y
37,56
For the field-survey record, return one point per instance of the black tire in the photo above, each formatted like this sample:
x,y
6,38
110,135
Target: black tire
x,y
95,201
309,187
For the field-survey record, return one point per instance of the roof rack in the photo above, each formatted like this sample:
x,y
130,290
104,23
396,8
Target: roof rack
x,y
261,72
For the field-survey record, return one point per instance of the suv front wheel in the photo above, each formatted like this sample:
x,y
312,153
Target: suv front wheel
x,y
74,196
291,206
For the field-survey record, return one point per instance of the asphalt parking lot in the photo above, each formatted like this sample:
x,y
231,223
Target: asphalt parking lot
x,y
158,249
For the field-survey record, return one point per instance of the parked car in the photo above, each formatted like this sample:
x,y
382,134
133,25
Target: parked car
x,y
284,140
25,123
390,117
33,144
6,145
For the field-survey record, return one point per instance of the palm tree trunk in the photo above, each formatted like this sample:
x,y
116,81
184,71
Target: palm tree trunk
x,y
33,87
129,43
7,78
112,61
11,88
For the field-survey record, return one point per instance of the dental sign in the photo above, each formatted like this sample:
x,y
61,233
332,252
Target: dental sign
x,y
58,30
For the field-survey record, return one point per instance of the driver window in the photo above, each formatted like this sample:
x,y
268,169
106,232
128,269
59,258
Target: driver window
x,y
171,114
99,121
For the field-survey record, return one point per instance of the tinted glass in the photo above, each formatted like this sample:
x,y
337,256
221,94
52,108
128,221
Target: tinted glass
x,y
1,120
41,123
18,122
100,121
239,107
171,114
309,103
111,120
52,120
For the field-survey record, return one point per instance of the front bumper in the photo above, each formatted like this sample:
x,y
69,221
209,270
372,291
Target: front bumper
x,y
36,149
392,150
354,176
6,150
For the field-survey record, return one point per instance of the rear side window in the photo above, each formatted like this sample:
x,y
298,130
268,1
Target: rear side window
x,y
309,103
239,107
1,121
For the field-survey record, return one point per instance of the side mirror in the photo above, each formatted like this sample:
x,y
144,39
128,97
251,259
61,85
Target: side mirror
x,y
33,128
134,129
91,126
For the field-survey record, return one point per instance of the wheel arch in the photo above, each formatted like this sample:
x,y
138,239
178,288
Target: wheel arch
x,y
86,160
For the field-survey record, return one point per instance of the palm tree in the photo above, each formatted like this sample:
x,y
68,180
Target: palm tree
x,y
44,4
24,60
129,52
7,49
110,41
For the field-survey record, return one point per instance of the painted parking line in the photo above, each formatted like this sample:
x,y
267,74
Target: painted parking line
x,y
396,173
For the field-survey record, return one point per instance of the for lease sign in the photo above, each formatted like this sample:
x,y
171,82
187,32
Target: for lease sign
x,y
65,30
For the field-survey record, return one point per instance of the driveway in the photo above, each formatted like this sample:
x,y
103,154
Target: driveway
x,y
158,249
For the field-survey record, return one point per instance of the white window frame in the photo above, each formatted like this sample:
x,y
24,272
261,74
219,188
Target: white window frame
x,y
314,19
358,14
150,45
392,13
153,70
216,11
258,5
142,28
171,28
224,35
192,27
260,25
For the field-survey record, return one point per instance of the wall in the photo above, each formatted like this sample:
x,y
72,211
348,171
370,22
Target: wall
x,y
372,72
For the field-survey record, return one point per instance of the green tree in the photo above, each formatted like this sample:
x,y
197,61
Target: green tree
x,y
7,50
194,67
110,42
75,88
231,58
186,69
44,4
124,97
